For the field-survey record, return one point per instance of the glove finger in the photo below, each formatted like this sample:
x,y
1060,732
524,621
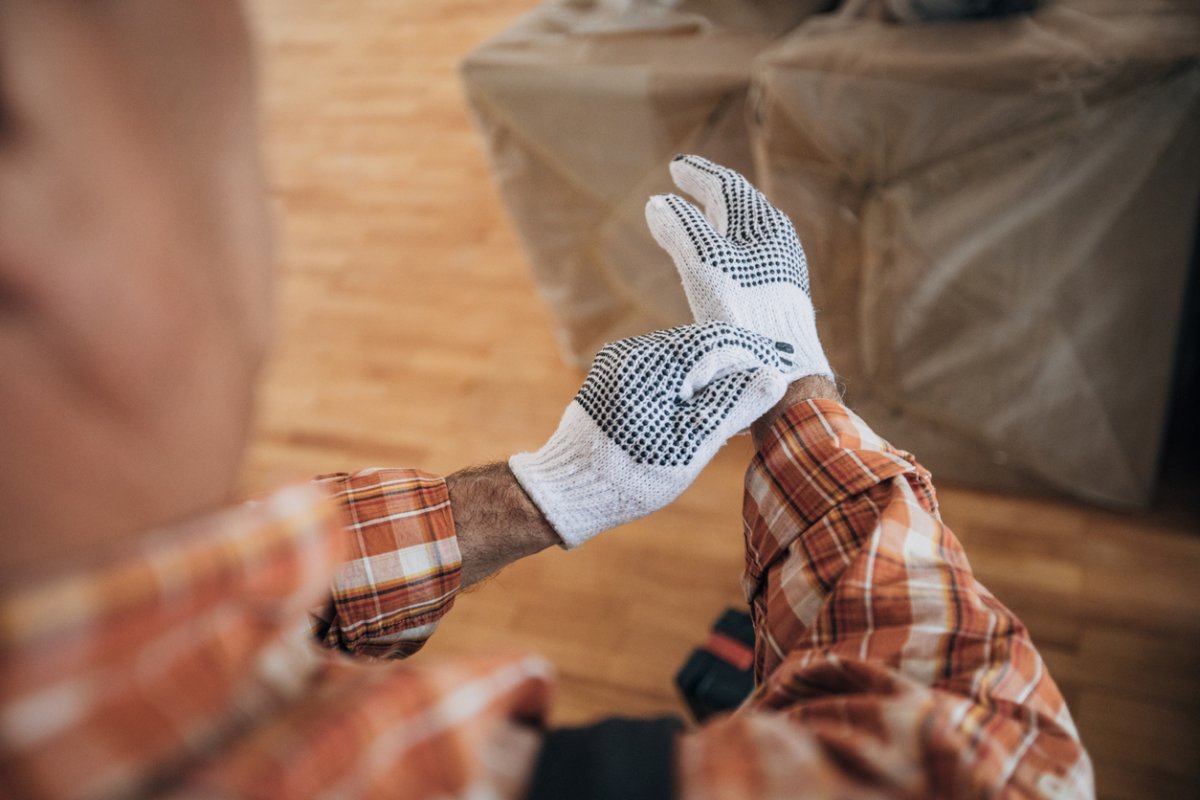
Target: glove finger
x,y
766,388
681,230
721,350
707,182
736,208
679,227
733,402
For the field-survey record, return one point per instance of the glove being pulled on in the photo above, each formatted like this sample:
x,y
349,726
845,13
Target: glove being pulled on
x,y
652,412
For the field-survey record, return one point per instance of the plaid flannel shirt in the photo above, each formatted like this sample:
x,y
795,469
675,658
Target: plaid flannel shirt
x,y
189,668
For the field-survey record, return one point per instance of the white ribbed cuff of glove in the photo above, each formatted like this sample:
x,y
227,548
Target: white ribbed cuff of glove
x,y
772,312
568,479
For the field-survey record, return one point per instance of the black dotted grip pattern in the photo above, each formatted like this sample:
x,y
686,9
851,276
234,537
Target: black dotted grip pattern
x,y
633,390
760,246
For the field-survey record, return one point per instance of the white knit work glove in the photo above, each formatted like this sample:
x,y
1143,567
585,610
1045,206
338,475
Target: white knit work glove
x,y
652,412
743,263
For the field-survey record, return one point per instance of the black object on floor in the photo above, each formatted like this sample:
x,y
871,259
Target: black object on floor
x,y
719,674
617,759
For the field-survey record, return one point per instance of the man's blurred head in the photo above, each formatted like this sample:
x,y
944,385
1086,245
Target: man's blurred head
x,y
134,268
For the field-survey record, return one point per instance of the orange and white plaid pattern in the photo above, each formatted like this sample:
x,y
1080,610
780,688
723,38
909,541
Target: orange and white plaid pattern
x,y
884,668
403,568
189,668
112,677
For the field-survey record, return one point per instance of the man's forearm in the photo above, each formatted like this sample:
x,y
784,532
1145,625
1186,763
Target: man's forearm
x,y
495,521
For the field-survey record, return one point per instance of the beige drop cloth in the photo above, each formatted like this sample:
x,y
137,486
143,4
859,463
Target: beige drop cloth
x,y
999,218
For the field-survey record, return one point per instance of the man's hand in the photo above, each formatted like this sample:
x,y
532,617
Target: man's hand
x,y
653,411
743,263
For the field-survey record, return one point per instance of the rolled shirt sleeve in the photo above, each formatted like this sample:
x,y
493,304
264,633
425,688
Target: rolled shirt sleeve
x,y
885,669
403,567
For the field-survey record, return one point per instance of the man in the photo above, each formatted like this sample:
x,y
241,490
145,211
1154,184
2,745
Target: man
x,y
152,643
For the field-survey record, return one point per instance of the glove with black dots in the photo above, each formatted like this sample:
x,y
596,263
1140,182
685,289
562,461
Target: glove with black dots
x,y
742,263
652,412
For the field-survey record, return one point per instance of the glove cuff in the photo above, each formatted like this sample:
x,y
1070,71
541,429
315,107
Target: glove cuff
x,y
792,321
562,480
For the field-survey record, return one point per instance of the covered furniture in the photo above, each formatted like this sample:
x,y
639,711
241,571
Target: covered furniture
x,y
999,217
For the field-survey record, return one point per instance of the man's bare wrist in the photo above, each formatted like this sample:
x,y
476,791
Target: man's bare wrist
x,y
495,521
813,387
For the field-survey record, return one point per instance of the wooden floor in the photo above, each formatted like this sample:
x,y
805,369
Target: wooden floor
x,y
411,335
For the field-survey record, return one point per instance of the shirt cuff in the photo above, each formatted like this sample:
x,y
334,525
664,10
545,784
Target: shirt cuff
x,y
403,566
815,457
